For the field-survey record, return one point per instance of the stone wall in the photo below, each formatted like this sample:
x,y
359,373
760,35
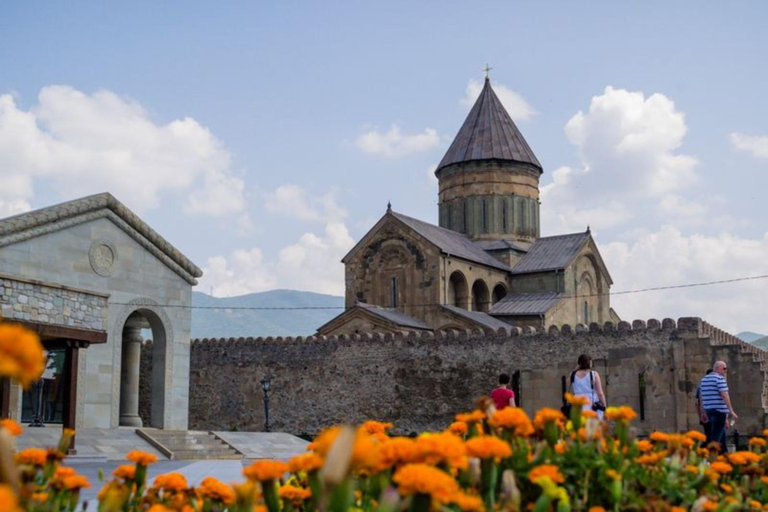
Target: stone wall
x,y
34,301
419,381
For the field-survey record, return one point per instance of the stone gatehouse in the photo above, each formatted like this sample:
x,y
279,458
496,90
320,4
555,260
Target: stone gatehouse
x,y
419,380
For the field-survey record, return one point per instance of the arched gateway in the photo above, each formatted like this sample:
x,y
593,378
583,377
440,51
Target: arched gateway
x,y
94,281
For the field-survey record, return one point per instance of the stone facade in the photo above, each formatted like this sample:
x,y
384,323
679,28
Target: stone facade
x,y
51,303
420,380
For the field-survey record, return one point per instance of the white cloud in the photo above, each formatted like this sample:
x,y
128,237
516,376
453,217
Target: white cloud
x,y
103,142
313,263
668,257
628,146
756,144
394,143
294,201
517,106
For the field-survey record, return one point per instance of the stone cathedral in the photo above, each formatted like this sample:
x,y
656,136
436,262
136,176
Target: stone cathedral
x,y
485,265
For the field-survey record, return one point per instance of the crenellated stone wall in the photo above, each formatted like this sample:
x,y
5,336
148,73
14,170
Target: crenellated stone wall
x,y
420,380
34,301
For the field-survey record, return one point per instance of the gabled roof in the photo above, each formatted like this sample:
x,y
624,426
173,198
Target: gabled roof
x,y
478,317
488,133
551,253
526,304
451,242
392,317
61,216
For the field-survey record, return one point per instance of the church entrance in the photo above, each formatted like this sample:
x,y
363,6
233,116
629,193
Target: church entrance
x,y
43,402
141,327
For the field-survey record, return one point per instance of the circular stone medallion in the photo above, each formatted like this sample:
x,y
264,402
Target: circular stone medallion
x,y
103,256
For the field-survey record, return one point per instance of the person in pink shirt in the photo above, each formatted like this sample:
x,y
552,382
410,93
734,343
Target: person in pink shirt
x,y
502,395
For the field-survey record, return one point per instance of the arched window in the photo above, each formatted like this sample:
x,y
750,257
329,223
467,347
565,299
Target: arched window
x,y
458,293
499,292
481,298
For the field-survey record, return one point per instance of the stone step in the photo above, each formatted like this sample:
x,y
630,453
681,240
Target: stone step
x,y
190,445
227,454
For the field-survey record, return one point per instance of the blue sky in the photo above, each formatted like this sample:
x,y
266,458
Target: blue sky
x,y
264,139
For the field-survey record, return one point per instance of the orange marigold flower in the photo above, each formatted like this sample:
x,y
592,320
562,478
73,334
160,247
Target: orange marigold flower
x,y
64,471
443,447
644,445
547,415
560,447
141,458
425,479
475,416
727,488
12,427
324,440
9,502
376,427
651,458
21,354
546,470
757,441
677,509
513,418
214,489
589,414
263,470
659,437
623,413
75,482
764,479
397,451
468,502
743,458
755,504
709,506
157,507
171,482
294,494
487,447
721,467
305,462
459,428
694,470
32,456
612,474
696,436
126,472
578,401
596,509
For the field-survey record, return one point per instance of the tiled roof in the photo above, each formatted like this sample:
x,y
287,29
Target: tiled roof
x,y
477,317
53,218
526,304
551,253
394,316
488,133
451,242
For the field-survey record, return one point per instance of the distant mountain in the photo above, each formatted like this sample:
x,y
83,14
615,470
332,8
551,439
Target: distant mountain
x,y
226,321
749,337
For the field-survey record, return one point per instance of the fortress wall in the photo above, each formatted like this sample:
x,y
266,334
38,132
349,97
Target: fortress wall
x,y
419,381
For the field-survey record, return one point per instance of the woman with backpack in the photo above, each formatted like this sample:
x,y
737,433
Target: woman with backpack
x,y
585,382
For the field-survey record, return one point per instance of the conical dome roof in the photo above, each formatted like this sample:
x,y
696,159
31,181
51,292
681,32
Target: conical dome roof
x,y
489,133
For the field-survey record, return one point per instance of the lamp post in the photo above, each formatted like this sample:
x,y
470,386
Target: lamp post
x,y
266,382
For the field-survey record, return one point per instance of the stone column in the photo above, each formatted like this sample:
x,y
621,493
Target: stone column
x,y
129,378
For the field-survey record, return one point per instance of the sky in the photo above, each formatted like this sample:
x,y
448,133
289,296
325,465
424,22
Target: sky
x,y
263,139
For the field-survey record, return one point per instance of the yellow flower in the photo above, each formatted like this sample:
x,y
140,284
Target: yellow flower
x,y
546,470
622,413
305,462
141,458
263,470
513,418
21,354
376,427
547,415
721,467
459,428
471,417
126,472
214,489
486,447
468,502
443,447
12,427
696,436
9,502
32,456
294,494
171,482
576,401
757,441
425,479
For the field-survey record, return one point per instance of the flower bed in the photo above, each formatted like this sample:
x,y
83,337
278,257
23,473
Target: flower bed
x,y
486,460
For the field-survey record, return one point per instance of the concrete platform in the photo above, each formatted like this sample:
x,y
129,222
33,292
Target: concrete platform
x,y
92,444
264,445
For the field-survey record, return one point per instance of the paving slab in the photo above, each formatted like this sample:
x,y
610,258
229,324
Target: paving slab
x,y
104,443
265,445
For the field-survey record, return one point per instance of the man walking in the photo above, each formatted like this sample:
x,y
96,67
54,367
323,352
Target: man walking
x,y
717,403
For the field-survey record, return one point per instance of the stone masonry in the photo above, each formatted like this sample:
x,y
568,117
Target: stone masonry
x,y
48,303
420,380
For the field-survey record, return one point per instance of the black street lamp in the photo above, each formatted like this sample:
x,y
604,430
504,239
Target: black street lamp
x,y
266,382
